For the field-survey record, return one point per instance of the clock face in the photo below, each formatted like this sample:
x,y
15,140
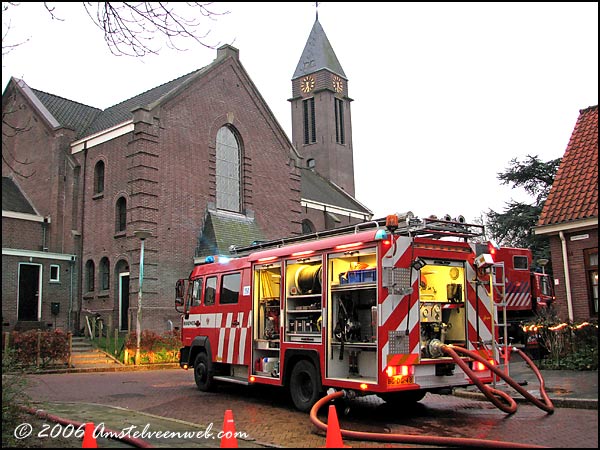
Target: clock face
x,y
307,84
338,84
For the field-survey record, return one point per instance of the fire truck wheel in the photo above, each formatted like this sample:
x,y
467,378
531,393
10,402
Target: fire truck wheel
x,y
304,386
403,398
202,375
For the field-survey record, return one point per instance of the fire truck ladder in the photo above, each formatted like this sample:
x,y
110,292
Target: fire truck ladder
x,y
410,226
498,288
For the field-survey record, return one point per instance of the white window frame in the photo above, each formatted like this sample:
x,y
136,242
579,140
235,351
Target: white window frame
x,y
57,279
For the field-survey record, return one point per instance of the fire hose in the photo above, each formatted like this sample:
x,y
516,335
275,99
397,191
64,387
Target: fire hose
x,y
489,392
135,442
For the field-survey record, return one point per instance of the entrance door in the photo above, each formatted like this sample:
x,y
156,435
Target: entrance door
x,y
29,292
124,301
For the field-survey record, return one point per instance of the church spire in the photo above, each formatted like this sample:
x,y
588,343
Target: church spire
x,y
318,54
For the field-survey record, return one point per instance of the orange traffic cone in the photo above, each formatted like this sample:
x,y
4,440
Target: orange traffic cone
x,y
89,441
334,434
228,440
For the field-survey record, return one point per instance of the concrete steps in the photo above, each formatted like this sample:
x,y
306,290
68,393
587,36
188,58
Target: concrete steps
x,y
85,356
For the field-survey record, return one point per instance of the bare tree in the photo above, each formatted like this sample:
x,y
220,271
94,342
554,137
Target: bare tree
x,y
9,130
131,28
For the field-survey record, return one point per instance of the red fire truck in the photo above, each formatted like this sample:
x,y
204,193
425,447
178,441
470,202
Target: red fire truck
x,y
368,309
519,290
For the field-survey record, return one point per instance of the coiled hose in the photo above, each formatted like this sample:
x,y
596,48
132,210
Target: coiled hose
x,y
491,393
511,406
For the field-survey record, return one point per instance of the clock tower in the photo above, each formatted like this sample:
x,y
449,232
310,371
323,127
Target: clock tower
x,y
321,125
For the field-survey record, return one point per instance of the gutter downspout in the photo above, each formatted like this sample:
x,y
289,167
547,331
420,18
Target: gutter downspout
x,y
567,278
70,316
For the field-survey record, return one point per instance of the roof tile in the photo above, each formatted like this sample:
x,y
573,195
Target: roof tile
x,y
574,194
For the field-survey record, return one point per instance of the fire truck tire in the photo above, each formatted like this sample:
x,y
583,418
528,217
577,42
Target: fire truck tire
x,y
305,387
202,375
403,398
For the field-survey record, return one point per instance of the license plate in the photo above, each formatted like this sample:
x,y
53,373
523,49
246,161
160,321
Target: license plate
x,y
400,379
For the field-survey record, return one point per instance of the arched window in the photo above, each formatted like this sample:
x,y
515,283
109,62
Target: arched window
x,y
307,227
99,177
228,171
310,163
90,275
121,214
104,274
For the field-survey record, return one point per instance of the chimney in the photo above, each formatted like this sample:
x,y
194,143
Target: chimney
x,y
227,50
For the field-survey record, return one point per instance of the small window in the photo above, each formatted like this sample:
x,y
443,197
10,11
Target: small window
x,y
104,274
90,269
54,273
99,177
520,263
121,214
591,268
210,291
197,292
230,288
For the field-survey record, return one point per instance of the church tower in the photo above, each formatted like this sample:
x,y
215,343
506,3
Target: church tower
x,y
321,124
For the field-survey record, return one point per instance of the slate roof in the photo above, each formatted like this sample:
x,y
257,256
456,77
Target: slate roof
x,y
224,229
122,112
73,115
316,188
574,193
318,54
13,199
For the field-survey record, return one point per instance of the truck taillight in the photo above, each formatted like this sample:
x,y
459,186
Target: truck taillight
x,y
480,367
392,371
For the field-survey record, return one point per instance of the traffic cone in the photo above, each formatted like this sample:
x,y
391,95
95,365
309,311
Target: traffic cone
x,y
89,441
334,434
228,440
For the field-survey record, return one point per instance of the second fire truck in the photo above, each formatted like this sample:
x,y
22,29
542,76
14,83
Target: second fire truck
x,y
521,293
368,309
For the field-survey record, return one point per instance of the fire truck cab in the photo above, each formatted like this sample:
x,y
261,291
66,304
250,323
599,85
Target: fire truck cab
x,y
367,308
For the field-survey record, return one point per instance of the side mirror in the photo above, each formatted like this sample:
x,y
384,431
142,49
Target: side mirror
x,y
179,294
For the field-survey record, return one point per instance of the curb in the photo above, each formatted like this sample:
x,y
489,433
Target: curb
x,y
116,368
576,403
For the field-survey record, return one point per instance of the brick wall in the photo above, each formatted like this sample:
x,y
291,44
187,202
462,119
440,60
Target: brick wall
x,y
579,285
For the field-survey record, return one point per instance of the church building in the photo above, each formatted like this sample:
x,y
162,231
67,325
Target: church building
x,y
182,171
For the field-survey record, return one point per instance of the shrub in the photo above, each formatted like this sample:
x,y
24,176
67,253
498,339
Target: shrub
x,y
39,348
155,348
568,345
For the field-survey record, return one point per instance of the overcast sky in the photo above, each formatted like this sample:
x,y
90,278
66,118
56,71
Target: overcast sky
x,y
445,94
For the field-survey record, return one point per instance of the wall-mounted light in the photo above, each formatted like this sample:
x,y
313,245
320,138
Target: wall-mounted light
x,y
418,264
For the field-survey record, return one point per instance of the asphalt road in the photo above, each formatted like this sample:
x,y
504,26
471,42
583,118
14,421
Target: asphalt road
x,y
267,417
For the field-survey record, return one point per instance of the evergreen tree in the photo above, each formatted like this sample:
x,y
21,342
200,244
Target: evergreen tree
x,y
514,226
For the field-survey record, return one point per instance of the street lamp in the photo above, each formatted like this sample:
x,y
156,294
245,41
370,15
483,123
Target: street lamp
x,y
542,262
142,235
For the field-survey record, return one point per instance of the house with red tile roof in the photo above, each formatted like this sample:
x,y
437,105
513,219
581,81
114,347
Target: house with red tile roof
x,y
570,220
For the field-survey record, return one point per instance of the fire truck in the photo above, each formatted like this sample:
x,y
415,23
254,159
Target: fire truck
x,y
367,308
520,291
